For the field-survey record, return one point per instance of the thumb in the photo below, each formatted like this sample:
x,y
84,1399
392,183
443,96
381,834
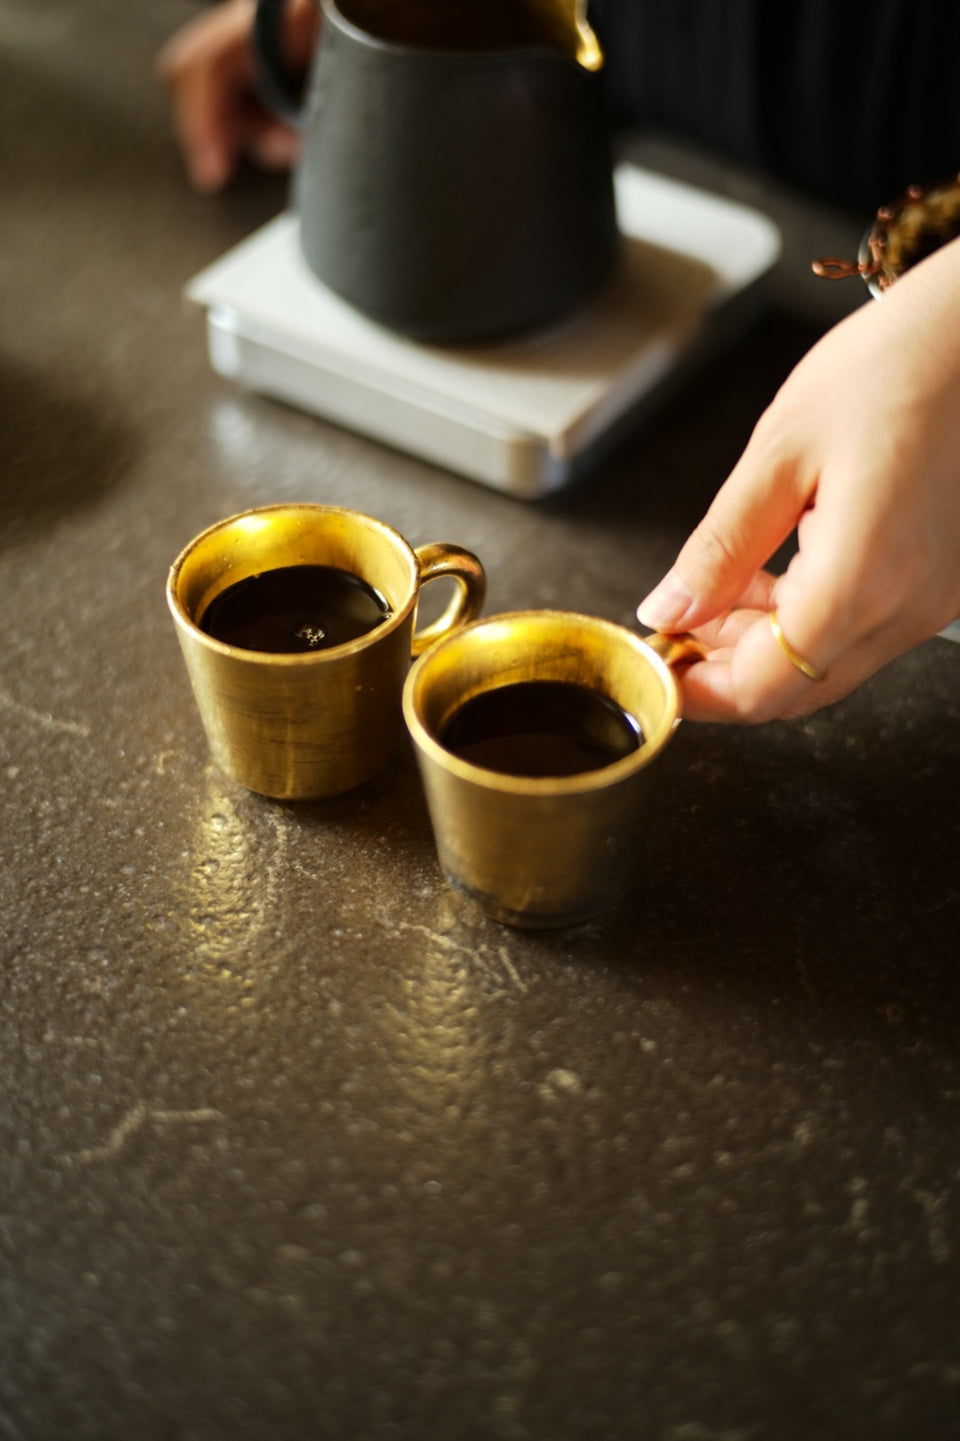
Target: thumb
x,y
752,514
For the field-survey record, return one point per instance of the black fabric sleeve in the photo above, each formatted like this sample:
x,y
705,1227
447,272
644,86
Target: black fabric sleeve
x,y
849,101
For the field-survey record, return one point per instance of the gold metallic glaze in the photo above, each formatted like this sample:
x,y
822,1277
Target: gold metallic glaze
x,y
541,851
794,656
298,727
567,21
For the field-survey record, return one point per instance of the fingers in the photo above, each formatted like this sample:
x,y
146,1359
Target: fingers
x,y
753,513
750,676
273,145
747,676
206,134
209,70
717,589
719,592
749,679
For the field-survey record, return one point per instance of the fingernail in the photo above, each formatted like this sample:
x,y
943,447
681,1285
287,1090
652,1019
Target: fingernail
x,y
276,149
666,605
208,169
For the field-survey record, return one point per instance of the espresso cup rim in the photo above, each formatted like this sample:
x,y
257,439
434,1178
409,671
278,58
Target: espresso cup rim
x,y
602,778
397,618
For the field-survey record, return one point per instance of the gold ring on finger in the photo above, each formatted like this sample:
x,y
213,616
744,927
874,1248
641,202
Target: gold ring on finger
x,y
793,656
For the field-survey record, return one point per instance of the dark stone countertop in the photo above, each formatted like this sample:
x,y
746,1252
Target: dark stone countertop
x,y
298,1145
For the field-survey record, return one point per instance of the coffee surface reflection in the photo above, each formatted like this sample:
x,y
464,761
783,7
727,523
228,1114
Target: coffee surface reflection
x,y
294,609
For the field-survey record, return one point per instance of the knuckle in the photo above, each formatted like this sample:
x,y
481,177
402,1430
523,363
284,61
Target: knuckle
x,y
716,546
771,444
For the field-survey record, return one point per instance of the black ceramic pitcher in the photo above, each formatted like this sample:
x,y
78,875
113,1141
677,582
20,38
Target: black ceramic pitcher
x,y
455,180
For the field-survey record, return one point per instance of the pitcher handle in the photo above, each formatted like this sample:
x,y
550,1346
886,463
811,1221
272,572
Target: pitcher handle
x,y
467,601
279,85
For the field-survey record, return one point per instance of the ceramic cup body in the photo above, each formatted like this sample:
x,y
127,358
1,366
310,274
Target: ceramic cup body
x,y
303,726
452,193
540,851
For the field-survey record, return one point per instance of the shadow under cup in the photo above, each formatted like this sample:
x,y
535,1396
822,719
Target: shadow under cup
x,y
314,724
540,851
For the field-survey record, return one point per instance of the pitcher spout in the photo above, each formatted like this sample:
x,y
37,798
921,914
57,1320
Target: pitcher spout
x,y
566,21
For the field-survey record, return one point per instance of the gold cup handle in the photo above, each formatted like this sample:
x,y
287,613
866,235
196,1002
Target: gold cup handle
x,y
466,602
679,649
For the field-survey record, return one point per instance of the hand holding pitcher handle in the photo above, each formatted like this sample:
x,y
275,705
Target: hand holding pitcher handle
x,y
213,76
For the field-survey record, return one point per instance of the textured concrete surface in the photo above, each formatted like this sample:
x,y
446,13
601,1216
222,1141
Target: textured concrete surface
x,y
297,1145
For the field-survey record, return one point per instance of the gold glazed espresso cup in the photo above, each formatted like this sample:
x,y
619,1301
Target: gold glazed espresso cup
x,y
302,726
539,851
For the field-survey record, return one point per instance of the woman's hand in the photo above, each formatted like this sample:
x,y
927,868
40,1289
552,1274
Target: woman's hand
x,y
860,452
209,69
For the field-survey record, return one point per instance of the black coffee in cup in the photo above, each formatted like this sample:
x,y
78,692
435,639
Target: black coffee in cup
x,y
541,728
295,608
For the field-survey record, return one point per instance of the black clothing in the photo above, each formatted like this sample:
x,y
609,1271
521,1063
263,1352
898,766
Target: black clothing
x,y
850,100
